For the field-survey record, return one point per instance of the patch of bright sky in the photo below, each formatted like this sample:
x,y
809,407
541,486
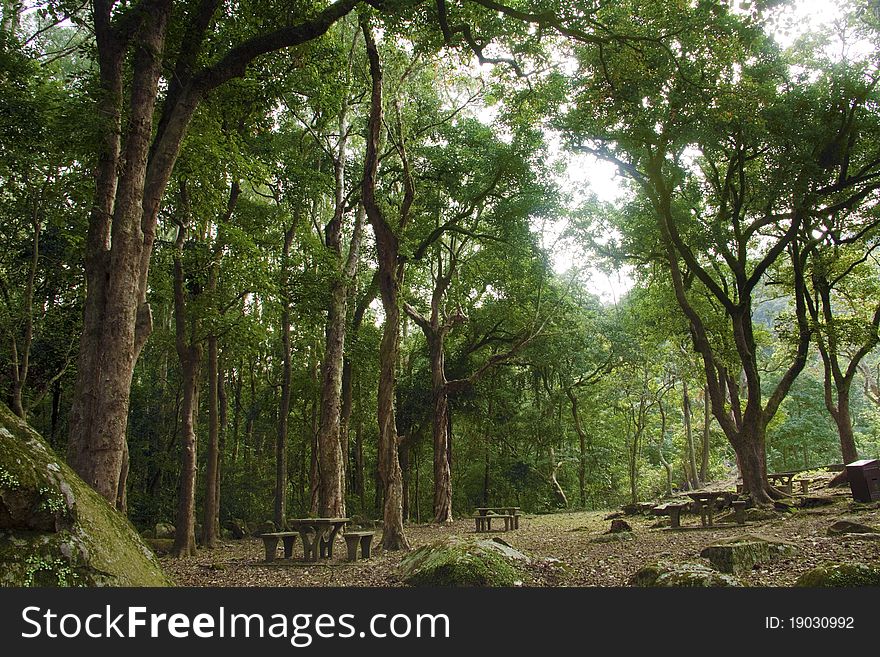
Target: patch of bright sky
x,y
583,176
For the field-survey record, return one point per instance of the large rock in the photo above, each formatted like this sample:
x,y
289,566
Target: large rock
x,y
850,527
618,525
464,562
740,554
667,574
163,530
841,574
55,530
239,529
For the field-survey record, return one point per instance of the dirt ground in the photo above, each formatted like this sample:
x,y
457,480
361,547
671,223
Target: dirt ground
x,y
562,536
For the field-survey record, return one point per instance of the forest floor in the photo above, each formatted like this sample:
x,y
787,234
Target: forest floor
x,y
566,537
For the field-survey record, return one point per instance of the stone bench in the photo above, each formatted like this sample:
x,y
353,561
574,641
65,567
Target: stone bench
x,y
806,483
739,511
355,539
270,542
484,522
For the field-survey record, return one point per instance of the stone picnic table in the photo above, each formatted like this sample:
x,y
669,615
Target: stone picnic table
x,y
485,514
318,535
782,479
707,501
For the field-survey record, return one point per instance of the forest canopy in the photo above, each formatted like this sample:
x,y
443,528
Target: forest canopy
x,y
274,259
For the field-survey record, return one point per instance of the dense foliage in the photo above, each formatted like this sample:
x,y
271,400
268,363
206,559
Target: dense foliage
x,y
746,225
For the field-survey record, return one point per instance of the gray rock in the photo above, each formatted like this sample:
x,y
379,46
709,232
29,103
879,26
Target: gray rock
x,y
55,530
740,554
239,529
163,530
841,574
266,527
849,527
464,562
618,525
668,574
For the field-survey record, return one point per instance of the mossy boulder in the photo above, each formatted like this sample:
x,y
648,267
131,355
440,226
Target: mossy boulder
x,y
841,574
742,553
464,562
691,575
617,537
55,530
850,527
163,530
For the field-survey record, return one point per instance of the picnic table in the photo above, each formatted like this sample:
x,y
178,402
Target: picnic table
x,y
485,514
318,535
782,480
708,500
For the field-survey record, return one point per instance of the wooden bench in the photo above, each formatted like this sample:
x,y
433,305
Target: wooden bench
x,y
484,522
270,542
354,539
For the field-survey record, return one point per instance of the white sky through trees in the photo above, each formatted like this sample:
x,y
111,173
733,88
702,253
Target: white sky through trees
x,y
585,175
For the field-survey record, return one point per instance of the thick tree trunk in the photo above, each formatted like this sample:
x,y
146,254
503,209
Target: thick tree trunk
x,y
750,452
331,500
843,419
184,535
393,537
117,318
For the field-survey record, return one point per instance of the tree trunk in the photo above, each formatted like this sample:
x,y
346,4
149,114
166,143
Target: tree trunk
x,y
189,351
843,419
117,319
707,422
129,187
390,275
666,464
212,471
286,376
582,445
750,451
439,426
331,498
689,435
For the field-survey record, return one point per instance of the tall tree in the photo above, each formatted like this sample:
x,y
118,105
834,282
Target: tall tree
x,y
133,166
391,270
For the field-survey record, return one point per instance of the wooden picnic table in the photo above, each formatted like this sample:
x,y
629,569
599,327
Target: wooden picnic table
x,y
318,535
